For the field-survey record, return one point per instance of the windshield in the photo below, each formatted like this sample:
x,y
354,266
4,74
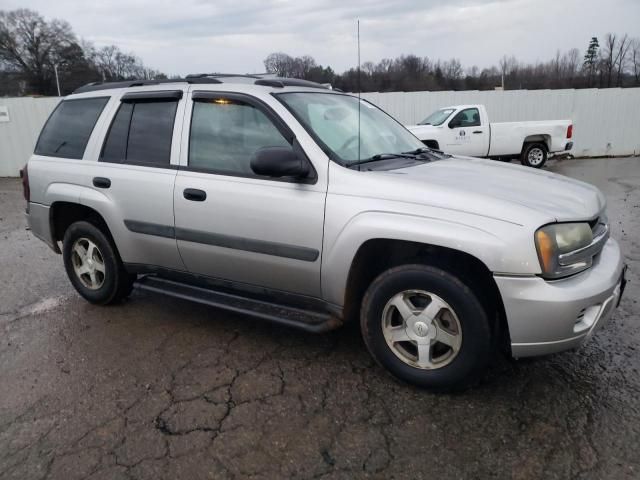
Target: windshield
x,y
332,119
438,117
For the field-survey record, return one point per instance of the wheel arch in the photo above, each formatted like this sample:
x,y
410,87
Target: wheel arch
x,y
537,138
64,213
377,255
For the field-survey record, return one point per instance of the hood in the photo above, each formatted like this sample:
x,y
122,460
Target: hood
x,y
495,189
421,131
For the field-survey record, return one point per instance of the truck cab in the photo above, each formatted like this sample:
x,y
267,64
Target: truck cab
x,y
461,130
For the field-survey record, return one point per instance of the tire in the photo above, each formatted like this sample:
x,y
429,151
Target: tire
x,y
99,276
534,155
456,364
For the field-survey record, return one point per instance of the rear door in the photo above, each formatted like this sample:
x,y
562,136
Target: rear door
x,y
235,225
466,135
134,175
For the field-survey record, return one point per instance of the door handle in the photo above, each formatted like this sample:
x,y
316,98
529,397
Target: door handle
x,y
194,194
477,131
101,182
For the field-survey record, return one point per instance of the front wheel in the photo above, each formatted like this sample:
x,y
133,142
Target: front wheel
x,y
426,327
534,155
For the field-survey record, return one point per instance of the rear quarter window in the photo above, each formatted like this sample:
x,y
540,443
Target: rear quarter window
x,y
69,127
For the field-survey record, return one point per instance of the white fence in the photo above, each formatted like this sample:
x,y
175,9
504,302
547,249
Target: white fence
x,y
20,122
606,122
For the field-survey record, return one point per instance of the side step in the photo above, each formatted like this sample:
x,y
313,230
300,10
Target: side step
x,y
310,321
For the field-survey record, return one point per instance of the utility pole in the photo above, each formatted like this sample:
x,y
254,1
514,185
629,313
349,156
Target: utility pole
x,y
55,69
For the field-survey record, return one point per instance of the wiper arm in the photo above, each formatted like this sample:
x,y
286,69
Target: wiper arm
x,y
382,156
422,150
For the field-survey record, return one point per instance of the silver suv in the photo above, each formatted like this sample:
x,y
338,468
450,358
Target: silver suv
x,y
308,207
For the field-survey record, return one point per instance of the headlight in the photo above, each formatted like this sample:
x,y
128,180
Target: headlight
x,y
555,240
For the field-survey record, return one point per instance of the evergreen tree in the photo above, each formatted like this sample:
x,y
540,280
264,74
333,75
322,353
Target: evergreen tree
x,y
590,59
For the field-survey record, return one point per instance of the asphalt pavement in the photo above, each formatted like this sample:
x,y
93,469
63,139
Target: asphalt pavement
x,y
162,388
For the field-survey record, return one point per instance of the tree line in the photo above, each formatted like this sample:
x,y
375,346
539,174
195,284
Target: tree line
x,y
33,49
615,63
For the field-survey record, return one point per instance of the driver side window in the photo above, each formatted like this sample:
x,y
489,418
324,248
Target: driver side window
x,y
226,133
469,117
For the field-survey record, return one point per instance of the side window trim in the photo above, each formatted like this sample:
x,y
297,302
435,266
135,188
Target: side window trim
x,y
157,95
263,107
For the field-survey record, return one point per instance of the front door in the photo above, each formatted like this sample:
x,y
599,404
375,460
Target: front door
x,y
465,135
232,224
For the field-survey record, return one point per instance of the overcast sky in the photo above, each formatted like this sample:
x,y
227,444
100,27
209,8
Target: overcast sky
x,y
187,36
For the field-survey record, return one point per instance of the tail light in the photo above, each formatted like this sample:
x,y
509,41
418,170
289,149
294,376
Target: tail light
x,y
570,131
24,174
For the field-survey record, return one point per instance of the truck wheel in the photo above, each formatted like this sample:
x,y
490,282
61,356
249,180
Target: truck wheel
x,y
426,327
94,266
534,155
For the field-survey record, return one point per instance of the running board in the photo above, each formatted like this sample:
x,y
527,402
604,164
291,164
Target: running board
x,y
311,321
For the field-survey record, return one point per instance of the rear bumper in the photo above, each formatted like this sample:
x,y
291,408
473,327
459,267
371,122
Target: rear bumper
x,y
568,146
39,223
547,317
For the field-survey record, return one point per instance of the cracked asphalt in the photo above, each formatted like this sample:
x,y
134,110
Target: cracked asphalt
x,y
162,388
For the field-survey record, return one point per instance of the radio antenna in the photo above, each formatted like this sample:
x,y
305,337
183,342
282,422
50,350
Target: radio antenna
x,y
359,90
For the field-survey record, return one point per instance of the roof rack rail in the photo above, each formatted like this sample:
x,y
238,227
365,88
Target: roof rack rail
x,y
279,82
220,75
94,86
203,78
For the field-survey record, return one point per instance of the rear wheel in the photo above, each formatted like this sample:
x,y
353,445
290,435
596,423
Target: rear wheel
x,y
93,264
426,327
534,155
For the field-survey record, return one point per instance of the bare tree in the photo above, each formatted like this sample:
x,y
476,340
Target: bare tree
x,y
571,61
621,57
635,59
609,58
279,63
31,46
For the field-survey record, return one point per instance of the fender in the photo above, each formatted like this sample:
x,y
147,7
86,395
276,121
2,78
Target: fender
x,y
484,243
88,197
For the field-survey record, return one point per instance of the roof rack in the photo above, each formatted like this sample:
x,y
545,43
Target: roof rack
x,y
221,75
203,78
91,87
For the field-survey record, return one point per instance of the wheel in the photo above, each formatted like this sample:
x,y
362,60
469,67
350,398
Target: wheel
x,y
94,266
534,155
426,327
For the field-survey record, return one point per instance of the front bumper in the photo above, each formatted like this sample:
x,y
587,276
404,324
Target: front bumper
x,y
551,316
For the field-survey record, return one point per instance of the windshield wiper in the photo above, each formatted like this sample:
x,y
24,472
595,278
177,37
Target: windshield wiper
x,y
382,156
422,150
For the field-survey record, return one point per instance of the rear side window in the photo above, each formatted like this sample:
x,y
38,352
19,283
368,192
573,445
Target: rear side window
x,y
69,127
141,133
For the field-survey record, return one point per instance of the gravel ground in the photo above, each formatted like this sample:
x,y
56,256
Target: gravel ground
x,y
161,388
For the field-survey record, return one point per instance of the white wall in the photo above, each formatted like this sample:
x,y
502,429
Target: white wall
x,y
606,122
18,136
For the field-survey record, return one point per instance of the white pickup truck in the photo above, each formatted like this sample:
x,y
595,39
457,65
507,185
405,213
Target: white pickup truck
x,y
465,130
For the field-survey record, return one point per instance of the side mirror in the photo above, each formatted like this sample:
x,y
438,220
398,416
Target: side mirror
x,y
279,162
455,123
